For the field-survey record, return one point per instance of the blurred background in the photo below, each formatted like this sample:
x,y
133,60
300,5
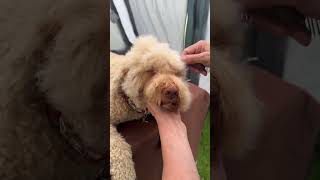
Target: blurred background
x,y
292,63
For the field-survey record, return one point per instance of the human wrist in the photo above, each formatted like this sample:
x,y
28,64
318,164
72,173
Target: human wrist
x,y
170,122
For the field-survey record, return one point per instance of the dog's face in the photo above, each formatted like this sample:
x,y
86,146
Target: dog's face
x,y
155,74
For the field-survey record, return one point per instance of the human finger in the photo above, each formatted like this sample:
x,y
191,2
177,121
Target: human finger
x,y
202,58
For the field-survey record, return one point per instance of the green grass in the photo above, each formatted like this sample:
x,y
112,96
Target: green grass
x,y
315,168
203,162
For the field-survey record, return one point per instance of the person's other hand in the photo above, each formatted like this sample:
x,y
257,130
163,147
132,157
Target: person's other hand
x,y
283,17
197,56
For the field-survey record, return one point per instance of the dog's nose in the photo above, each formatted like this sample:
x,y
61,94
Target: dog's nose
x,y
170,99
171,93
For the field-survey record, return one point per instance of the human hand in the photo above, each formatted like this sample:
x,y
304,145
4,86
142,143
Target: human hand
x,y
283,17
166,117
178,161
197,56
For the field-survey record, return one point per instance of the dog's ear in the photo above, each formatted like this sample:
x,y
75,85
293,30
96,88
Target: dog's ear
x,y
239,119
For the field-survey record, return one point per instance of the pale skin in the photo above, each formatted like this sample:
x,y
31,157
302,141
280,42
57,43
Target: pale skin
x,y
197,56
178,161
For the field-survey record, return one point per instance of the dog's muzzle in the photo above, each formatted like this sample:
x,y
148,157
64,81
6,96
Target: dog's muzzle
x,y
170,98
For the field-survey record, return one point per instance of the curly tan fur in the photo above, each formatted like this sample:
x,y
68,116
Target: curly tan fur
x,y
148,70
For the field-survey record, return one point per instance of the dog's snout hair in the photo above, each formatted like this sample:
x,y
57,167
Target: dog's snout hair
x,y
170,97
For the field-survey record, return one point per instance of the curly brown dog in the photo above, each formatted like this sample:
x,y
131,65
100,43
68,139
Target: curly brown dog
x,y
149,72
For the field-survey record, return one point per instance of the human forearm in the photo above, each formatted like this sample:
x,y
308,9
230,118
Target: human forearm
x,y
178,160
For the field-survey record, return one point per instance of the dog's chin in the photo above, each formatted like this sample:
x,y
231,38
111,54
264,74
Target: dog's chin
x,y
170,107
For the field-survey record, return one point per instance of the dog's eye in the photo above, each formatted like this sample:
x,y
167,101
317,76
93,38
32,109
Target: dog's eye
x,y
151,71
